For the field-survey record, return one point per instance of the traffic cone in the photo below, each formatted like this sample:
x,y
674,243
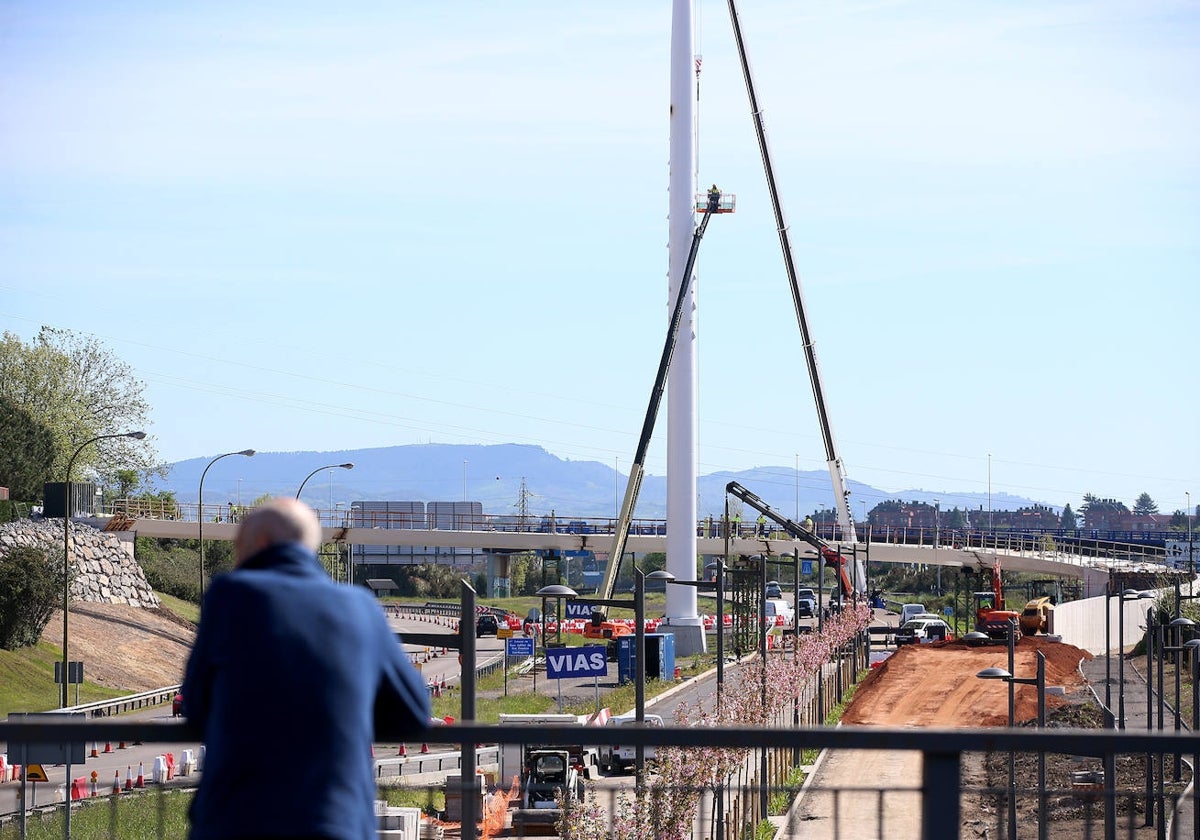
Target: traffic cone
x,y
443,683
141,777
424,748
403,751
437,690
128,777
95,777
122,746
116,789
95,750
108,746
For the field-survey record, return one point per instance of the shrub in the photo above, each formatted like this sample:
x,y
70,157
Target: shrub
x,y
31,586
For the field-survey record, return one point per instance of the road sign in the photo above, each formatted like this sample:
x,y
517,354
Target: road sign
x,y
589,661
581,609
74,673
35,773
806,567
504,633
518,647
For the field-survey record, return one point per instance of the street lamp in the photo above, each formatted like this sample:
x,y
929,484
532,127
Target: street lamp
x,y
1177,626
1040,682
1127,595
1194,645
348,466
200,512
639,630
558,592
67,544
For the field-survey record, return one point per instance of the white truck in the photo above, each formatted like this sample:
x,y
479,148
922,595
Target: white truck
x,y
619,758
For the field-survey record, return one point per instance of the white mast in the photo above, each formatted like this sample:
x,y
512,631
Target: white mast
x,y
681,388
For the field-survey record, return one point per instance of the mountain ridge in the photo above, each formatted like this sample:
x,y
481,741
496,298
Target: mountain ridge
x,y
495,474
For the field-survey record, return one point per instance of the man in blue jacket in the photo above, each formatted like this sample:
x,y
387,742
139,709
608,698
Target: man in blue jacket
x,y
290,680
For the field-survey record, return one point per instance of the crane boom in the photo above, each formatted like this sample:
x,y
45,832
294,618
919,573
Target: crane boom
x,y
830,556
837,470
634,485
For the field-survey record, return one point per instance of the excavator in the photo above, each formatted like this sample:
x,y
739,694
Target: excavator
x,y
830,557
990,615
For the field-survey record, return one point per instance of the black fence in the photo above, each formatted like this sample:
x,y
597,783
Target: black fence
x,y
962,783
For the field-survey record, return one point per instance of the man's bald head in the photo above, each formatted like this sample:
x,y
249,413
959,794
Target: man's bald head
x,y
280,520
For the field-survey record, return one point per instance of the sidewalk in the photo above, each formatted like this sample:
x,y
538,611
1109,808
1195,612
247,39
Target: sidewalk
x,y
1180,823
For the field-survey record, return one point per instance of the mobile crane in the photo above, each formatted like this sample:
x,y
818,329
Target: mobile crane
x,y
830,557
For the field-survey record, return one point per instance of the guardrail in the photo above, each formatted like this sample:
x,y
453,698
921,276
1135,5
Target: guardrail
x,y
126,703
1114,801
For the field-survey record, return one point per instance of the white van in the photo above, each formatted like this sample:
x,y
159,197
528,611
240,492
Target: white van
x,y
780,607
910,611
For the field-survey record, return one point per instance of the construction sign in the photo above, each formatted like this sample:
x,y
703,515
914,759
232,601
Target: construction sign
x,y
35,773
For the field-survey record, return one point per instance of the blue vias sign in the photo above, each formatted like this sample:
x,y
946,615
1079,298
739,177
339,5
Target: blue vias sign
x,y
590,661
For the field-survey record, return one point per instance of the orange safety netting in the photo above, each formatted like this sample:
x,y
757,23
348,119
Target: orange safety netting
x,y
495,811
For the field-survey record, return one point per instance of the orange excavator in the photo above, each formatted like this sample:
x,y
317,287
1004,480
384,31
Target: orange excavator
x,y
990,615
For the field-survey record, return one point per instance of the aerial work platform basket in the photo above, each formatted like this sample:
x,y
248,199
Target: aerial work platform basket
x,y
727,203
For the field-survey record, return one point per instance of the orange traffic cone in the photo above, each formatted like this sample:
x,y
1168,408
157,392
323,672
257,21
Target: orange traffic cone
x,y
443,683
95,750
128,777
424,748
403,751
122,746
141,777
116,783
108,746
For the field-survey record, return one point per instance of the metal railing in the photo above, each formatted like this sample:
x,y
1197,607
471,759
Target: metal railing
x,y
945,797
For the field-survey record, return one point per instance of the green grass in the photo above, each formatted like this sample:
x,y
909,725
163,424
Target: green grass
x,y
835,714
430,801
27,681
187,610
140,816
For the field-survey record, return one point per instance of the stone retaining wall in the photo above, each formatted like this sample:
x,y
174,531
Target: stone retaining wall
x,y
108,574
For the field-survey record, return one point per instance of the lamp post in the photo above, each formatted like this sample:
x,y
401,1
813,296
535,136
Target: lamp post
x,y
558,592
1040,682
300,489
67,545
200,512
1194,645
639,645
1127,595
1177,626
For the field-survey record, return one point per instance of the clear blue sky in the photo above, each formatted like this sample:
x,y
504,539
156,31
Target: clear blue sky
x,y
326,226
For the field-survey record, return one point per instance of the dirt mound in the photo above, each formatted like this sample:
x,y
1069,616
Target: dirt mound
x,y
935,684
126,648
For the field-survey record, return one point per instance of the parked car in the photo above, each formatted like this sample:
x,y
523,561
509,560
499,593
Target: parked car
x,y
773,589
806,603
617,758
486,625
922,630
910,611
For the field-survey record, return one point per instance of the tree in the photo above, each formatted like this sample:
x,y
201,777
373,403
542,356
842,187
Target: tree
x,y
1068,518
77,389
1145,506
31,583
26,451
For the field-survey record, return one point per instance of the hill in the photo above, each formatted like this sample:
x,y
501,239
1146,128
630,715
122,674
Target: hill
x,y
495,476
125,648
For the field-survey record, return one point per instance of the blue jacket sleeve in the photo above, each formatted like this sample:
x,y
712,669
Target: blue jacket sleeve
x,y
402,701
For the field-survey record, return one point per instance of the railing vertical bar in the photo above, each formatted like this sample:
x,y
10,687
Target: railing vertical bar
x,y
941,795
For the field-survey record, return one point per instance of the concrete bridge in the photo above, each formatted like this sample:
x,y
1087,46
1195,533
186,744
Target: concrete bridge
x,y
496,537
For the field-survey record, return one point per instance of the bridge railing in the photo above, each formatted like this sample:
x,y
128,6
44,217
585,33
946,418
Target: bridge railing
x,y
1063,782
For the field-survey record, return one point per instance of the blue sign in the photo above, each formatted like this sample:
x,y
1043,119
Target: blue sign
x,y
579,609
518,646
590,661
806,567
